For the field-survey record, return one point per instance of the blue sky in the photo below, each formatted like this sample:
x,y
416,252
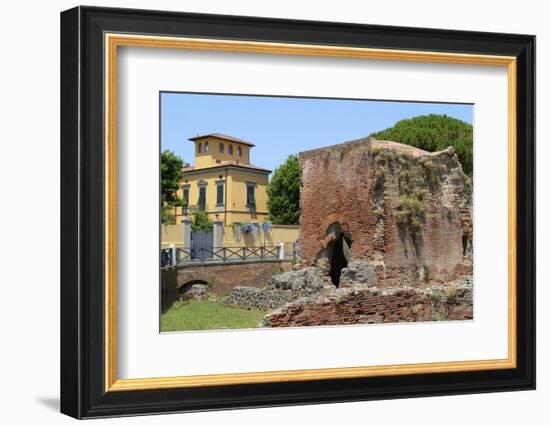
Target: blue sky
x,y
280,126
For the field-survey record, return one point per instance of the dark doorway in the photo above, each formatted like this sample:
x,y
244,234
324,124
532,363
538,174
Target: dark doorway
x,y
338,258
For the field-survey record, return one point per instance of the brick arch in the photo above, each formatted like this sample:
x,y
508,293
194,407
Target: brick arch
x,y
185,286
223,277
330,220
333,218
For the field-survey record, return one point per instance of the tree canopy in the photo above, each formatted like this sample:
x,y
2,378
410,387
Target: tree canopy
x,y
170,175
284,193
432,133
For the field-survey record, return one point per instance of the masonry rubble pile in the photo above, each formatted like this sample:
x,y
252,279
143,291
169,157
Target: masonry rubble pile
x,y
361,305
196,291
305,298
358,273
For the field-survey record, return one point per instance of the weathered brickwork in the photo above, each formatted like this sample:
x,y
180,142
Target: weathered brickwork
x,y
223,277
376,305
406,211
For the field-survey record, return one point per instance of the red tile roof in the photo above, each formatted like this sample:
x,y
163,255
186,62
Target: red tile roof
x,y
224,137
226,163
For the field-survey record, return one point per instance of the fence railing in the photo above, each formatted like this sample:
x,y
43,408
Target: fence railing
x,y
227,254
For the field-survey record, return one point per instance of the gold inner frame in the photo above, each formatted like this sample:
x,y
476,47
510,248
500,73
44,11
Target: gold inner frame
x,y
113,41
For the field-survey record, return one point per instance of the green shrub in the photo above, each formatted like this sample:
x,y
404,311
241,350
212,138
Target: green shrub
x,y
410,216
201,222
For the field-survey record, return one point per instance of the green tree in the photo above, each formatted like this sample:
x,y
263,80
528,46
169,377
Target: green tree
x,y
432,133
201,222
283,193
170,175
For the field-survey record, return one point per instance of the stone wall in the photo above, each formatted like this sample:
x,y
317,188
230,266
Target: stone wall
x,y
377,305
405,210
259,298
223,277
280,290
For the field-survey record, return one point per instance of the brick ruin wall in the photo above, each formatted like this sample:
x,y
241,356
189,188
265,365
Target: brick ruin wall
x,y
376,305
360,186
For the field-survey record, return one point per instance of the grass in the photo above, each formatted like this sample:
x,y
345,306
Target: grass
x,y
206,315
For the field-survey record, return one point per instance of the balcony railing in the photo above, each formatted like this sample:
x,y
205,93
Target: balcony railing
x,y
194,208
227,254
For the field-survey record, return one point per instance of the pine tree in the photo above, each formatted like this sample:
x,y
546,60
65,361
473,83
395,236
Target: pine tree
x,y
432,133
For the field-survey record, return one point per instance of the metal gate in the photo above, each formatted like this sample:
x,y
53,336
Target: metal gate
x,y
202,244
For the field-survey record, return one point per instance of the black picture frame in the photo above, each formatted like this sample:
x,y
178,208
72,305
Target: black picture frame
x,y
83,392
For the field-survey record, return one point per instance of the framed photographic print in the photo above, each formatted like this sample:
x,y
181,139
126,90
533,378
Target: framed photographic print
x,y
261,212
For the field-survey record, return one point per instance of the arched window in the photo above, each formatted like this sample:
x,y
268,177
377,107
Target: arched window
x,y
206,147
222,147
199,149
230,149
239,151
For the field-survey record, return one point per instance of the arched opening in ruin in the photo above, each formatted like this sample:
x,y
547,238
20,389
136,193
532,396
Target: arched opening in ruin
x,y
188,285
338,250
193,289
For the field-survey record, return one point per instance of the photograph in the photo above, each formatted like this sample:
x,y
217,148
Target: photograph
x,y
282,212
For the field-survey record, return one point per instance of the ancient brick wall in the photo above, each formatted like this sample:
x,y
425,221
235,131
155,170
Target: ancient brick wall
x,y
223,277
405,210
336,186
376,305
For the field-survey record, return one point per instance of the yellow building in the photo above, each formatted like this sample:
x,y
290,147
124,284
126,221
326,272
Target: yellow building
x,y
233,192
223,182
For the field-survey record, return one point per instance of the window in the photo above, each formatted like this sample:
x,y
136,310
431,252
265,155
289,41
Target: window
x,y
219,193
202,198
222,147
239,151
206,147
185,196
250,195
199,149
230,149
